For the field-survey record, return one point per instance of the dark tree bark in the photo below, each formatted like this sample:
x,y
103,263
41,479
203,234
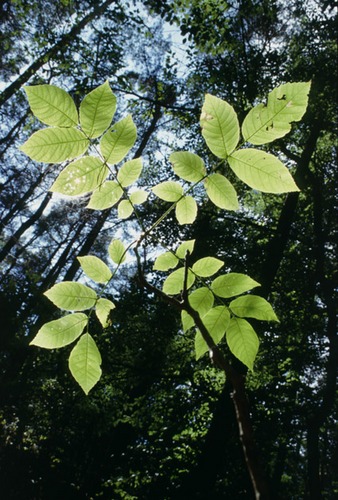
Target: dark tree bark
x,y
60,46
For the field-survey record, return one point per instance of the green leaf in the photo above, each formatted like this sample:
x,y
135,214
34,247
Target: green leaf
x,y
52,105
232,284
168,191
216,321
130,172
81,176
253,306
102,310
186,210
201,300
97,110
262,171
138,197
54,145
188,166
242,341
117,142
106,196
220,127
95,268
165,261
124,209
72,296
60,332
174,283
221,192
117,251
184,247
286,104
207,266
84,363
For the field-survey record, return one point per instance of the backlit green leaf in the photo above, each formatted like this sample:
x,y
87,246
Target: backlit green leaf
x,y
286,104
84,363
72,296
60,332
102,310
117,142
188,166
242,341
207,266
81,176
97,110
106,196
138,197
117,251
130,172
216,321
174,283
201,300
54,145
232,284
221,192
262,171
220,127
52,105
165,261
253,306
95,268
124,209
168,191
186,210
184,247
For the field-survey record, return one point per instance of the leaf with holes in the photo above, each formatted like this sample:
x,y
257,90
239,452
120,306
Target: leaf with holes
x,y
80,177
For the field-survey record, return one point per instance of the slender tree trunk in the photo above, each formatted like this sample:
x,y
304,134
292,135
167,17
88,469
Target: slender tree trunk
x,y
60,46
14,239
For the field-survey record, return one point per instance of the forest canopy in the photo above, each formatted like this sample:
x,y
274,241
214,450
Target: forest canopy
x,y
210,175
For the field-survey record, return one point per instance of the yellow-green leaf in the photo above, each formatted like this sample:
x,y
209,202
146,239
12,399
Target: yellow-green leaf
x,y
124,209
221,192
186,210
72,296
232,284
97,110
117,142
220,127
106,196
54,145
130,172
60,332
207,266
242,341
216,321
117,251
253,306
80,177
95,268
262,171
188,166
168,191
165,261
103,310
52,105
85,363
174,283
